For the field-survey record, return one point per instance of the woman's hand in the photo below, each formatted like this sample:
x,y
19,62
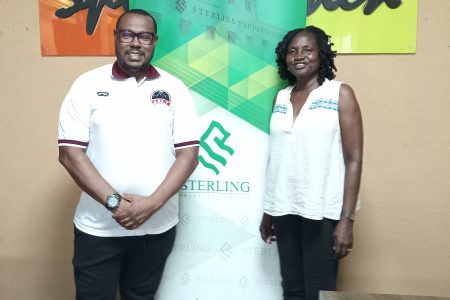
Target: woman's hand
x,y
266,229
343,238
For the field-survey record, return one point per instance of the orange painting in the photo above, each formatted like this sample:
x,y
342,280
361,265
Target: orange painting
x,y
83,27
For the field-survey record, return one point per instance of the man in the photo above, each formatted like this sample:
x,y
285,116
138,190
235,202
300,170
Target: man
x,y
127,135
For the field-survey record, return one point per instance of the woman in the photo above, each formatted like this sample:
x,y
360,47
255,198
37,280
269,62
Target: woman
x,y
314,168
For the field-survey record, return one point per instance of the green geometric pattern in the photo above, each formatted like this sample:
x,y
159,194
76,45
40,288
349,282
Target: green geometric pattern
x,y
224,49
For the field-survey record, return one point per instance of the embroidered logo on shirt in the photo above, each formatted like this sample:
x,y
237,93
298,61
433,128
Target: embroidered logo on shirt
x,y
102,94
280,108
160,97
324,103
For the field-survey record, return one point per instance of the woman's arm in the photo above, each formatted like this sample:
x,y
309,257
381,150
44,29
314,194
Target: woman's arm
x,y
350,121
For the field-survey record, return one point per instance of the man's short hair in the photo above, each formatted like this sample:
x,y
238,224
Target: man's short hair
x,y
137,11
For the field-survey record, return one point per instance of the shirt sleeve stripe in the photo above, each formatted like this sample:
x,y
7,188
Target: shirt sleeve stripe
x,y
187,144
72,143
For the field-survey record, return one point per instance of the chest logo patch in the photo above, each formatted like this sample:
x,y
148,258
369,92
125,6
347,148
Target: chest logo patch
x,y
280,108
102,94
324,103
160,97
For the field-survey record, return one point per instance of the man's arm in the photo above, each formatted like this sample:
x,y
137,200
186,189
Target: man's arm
x,y
142,208
83,172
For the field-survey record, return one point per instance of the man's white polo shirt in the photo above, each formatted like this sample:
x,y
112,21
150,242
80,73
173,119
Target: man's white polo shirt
x,y
130,131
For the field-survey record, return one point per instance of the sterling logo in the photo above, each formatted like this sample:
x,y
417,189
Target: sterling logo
x,y
217,136
225,252
185,219
193,185
185,280
260,251
200,249
180,5
243,282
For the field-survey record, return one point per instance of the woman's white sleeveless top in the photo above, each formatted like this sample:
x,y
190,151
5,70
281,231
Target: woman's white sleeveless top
x,y
305,174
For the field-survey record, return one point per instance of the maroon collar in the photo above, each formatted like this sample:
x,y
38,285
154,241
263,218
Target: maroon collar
x,y
118,73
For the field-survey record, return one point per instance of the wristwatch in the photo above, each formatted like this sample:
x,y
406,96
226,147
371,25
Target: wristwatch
x,y
348,215
113,201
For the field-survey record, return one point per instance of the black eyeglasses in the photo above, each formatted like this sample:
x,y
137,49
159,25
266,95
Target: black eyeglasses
x,y
145,38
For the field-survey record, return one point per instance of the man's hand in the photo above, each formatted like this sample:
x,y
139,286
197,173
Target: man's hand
x,y
142,208
343,238
134,211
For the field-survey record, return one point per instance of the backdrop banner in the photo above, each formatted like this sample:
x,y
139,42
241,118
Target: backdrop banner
x,y
224,52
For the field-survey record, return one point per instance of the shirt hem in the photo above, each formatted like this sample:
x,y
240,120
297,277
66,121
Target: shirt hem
x,y
123,232
306,216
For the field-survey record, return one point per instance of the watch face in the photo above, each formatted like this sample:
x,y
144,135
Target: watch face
x,y
112,201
